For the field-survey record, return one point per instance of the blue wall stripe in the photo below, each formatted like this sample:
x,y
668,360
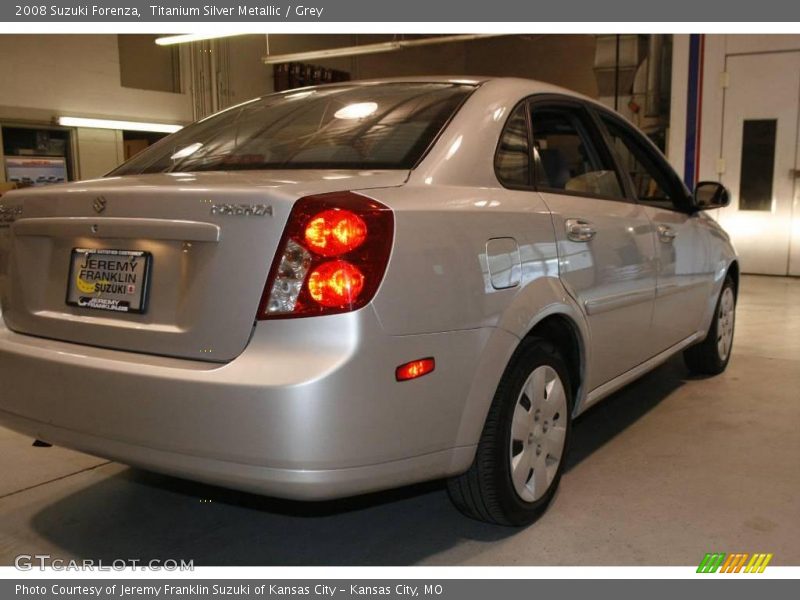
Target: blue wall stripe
x,y
692,111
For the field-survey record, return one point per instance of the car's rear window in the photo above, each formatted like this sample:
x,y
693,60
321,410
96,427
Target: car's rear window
x,y
369,126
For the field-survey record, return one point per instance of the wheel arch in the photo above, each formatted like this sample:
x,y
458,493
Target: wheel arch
x,y
555,324
543,308
563,332
733,272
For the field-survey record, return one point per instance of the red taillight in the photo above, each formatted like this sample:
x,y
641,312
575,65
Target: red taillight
x,y
331,258
414,369
335,232
336,283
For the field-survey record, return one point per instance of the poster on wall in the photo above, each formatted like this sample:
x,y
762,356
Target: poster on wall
x,y
35,170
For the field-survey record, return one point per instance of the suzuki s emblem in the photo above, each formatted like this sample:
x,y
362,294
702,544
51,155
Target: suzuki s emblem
x,y
99,204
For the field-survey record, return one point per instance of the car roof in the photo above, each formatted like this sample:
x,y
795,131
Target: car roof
x,y
514,85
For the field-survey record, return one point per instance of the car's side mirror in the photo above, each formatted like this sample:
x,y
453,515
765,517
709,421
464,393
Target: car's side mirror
x,y
709,195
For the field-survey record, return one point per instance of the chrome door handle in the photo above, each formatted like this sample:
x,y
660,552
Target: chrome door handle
x,y
579,230
666,233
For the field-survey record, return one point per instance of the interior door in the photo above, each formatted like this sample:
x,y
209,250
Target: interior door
x,y
605,241
759,148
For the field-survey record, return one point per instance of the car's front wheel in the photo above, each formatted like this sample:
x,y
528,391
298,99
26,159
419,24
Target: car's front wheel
x,y
521,453
711,356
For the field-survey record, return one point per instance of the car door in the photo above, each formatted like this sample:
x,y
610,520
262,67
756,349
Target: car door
x,y
685,270
605,240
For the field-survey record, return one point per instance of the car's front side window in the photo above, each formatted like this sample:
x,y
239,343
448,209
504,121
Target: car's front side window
x,y
651,184
566,157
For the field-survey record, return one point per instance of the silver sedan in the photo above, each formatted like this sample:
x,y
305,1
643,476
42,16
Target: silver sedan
x,y
348,288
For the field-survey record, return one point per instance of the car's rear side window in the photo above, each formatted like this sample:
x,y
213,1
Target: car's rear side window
x,y
377,126
512,161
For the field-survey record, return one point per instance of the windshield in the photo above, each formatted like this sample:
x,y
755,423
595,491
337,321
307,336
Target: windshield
x,y
377,126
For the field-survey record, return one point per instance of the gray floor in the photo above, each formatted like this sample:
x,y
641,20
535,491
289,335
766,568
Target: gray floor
x,y
660,474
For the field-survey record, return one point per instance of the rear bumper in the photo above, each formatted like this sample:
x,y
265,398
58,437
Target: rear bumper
x,y
295,484
310,410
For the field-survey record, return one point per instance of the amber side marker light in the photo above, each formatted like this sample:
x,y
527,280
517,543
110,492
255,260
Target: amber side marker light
x,y
414,369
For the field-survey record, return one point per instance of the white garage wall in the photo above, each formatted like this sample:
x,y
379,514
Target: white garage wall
x,y
716,49
45,76
99,151
712,104
78,75
248,77
677,121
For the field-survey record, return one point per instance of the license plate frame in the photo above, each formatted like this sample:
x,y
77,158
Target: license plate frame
x,y
127,287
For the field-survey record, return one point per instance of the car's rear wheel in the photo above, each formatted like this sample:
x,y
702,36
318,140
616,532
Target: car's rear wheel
x,y
711,356
521,453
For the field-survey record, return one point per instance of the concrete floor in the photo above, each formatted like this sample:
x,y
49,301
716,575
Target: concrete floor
x,y
659,474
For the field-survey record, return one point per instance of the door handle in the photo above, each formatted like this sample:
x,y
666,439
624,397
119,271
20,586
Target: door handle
x,y
579,230
666,233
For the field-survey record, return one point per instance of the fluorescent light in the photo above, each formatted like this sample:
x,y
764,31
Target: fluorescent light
x,y
392,46
171,40
331,53
358,110
112,124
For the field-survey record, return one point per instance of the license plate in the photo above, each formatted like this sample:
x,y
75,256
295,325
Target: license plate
x,y
113,280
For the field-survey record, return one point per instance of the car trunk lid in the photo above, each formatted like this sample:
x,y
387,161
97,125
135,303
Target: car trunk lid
x,y
205,242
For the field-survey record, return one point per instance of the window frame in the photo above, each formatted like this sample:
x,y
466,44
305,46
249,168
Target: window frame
x,y
683,201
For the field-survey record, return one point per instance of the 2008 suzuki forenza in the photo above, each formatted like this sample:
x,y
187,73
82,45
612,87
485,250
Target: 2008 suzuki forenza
x,y
353,287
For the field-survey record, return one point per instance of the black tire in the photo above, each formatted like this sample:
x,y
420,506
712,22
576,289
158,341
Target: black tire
x,y
486,491
704,358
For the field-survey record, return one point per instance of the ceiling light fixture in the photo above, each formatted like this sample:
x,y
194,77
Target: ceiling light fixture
x,y
171,40
113,124
392,46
